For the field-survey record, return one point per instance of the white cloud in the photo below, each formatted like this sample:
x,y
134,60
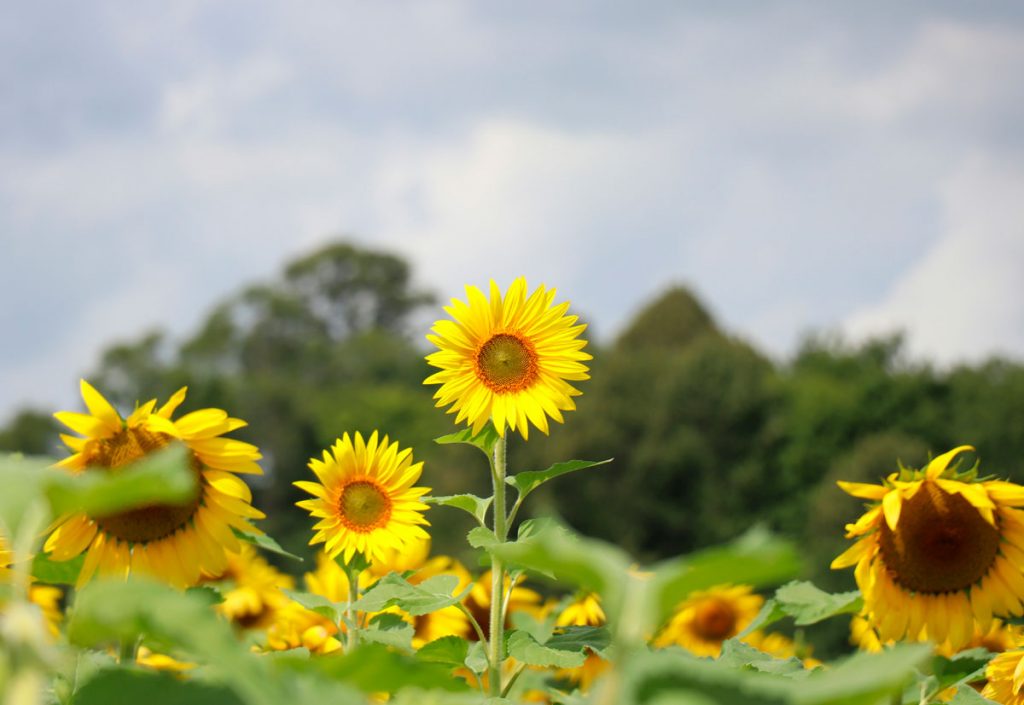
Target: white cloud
x,y
962,300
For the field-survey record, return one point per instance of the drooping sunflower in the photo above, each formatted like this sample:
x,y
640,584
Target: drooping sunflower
x,y
1005,678
365,499
938,553
705,619
175,543
508,360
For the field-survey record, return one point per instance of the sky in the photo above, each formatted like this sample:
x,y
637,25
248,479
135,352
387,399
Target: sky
x,y
855,168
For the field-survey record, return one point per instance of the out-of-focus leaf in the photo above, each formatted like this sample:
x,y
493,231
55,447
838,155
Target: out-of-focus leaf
x,y
577,638
965,667
966,695
484,441
373,668
135,686
450,650
22,481
476,657
756,558
476,506
527,482
863,679
266,543
52,572
164,477
524,648
739,655
395,591
807,604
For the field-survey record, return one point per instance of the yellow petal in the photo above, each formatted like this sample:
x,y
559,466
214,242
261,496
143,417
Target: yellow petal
x,y
100,407
938,465
892,503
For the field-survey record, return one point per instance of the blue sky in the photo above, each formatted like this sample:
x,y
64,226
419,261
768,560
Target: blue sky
x,y
805,166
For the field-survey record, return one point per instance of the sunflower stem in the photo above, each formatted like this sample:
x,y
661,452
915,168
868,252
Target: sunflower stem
x,y
128,651
352,571
497,637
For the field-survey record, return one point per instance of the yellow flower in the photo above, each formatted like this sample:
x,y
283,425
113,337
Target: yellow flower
x,y
999,637
938,554
173,542
365,499
394,560
252,589
508,360
584,611
296,626
705,619
161,662
45,597
1005,677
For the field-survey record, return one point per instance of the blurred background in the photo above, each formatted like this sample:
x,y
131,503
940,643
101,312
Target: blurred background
x,y
796,229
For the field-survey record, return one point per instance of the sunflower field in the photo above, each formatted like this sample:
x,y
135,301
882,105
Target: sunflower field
x,y
137,567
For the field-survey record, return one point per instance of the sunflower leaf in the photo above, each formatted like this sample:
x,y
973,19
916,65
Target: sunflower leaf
x,y
966,695
524,648
164,477
965,667
576,638
808,604
482,537
265,542
477,506
527,482
53,572
449,650
390,630
395,591
316,603
124,686
484,441
863,678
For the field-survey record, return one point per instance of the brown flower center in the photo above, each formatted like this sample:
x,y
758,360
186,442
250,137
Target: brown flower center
x,y
506,363
147,523
364,506
941,542
715,620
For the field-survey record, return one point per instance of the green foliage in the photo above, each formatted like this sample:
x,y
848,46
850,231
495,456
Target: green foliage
x,y
475,506
525,649
128,686
395,591
527,481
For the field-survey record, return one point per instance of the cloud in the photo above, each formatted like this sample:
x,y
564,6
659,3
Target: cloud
x,y
962,300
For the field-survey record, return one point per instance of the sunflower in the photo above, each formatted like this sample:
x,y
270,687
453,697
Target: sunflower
x,y
392,560
365,499
584,611
939,553
705,619
999,637
508,360
1005,678
252,589
45,597
6,558
174,542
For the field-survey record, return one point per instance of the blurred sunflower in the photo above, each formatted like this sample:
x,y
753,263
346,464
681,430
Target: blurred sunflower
x,y
584,611
252,589
705,619
365,499
508,360
393,560
45,597
1005,678
173,542
939,553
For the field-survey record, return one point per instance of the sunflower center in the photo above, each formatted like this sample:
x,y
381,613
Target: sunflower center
x,y
941,543
715,620
364,506
506,363
147,523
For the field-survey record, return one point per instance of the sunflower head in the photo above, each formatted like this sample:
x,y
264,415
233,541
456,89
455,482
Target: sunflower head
x,y
175,542
365,498
252,589
1005,678
509,359
584,611
938,552
703,621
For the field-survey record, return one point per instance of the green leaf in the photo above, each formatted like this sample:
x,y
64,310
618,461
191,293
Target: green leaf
x,y
769,614
164,477
391,630
863,679
317,603
737,654
450,650
265,542
477,506
395,591
22,479
476,658
808,604
527,482
374,668
523,647
578,638
966,695
136,686
484,441
756,558
482,537
53,572
965,667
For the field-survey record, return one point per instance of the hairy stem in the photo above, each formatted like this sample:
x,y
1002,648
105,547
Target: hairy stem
x,y
496,656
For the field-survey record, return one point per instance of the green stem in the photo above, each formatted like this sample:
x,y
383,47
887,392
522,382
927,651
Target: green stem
x,y
127,652
351,617
497,638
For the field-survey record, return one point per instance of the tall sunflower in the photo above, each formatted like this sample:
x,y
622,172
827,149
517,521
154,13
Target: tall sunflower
x,y
365,499
938,553
508,360
174,542
706,618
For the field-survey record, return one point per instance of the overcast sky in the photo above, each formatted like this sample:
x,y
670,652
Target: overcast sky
x,y
804,166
